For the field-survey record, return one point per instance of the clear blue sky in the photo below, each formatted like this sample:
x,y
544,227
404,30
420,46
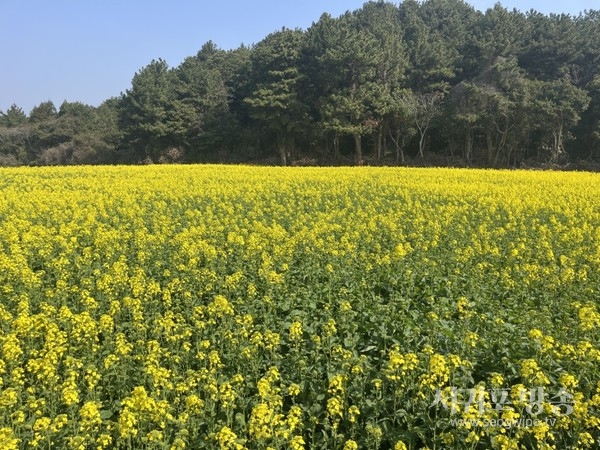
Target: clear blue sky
x,y
88,50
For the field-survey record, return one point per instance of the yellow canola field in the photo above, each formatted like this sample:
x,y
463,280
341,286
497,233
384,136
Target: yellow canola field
x,y
173,307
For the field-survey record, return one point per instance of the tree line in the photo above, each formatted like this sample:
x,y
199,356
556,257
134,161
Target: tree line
x,y
434,81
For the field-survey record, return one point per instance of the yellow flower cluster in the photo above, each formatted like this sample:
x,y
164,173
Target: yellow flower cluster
x,y
240,307
399,365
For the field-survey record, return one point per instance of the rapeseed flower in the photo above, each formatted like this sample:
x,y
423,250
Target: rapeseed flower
x,y
141,301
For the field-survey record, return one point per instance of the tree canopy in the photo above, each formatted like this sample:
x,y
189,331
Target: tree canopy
x,y
388,83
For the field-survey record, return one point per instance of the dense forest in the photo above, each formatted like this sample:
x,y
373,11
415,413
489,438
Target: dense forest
x,y
432,82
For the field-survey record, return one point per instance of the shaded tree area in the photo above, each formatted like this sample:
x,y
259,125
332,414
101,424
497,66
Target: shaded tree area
x,y
432,82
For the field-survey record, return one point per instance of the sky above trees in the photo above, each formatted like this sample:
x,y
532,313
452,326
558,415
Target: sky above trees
x,y
89,51
386,82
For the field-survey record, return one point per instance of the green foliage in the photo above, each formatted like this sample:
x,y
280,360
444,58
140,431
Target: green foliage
x,y
510,88
276,100
13,117
558,106
43,112
146,111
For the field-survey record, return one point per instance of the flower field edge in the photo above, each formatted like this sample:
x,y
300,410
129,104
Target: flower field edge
x,y
232,307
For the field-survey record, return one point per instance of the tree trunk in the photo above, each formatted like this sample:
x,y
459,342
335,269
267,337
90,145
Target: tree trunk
x,y
558,144
422,144
399,147
336,148
282,156
468,144
281,146
490,147
358,150
508,156
385,144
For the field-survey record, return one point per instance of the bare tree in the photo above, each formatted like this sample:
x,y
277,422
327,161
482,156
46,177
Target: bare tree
x,y
423,108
